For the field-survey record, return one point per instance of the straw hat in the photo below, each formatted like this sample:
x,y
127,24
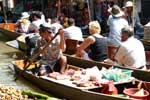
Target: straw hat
x,y
25,15
115,11
129,4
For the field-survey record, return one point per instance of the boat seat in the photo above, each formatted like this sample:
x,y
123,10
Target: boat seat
x,y
2,25
112,51
147,54
10,26
71,46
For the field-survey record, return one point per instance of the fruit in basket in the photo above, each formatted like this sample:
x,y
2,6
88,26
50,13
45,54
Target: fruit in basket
x,y
135,93
139,93
7,93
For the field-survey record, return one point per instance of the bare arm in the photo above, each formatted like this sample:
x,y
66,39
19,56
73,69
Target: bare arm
x,y
62,40
84,45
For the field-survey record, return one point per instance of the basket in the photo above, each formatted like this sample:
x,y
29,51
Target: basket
x,y
131,91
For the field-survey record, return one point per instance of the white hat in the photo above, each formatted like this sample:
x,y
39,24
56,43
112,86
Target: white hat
x,y
115,11
45,27
25,15
129,4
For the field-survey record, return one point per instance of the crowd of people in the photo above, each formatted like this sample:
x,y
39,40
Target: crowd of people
x,y
121,24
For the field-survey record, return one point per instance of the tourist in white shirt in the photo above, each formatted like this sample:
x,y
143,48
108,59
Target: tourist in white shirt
x,y
73,32
56,25
36,22
116,23
131,51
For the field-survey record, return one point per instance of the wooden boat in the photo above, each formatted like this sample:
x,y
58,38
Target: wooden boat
x,y
67,91
8,29
137,73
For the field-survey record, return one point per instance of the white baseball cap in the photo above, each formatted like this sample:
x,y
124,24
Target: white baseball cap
x,y
25,15
129,4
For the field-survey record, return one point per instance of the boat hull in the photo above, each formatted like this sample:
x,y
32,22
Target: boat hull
x,y
64,91
8,30
137,73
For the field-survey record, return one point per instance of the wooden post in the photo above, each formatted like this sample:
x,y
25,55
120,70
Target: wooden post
x,y
59,8
88,4
133,13
4,10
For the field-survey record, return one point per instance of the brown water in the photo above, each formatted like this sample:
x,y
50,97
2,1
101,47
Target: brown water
x,y
8,54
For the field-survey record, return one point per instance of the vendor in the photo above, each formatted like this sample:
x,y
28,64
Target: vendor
x,y
52,55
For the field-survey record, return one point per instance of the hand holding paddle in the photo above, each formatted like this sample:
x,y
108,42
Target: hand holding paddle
x,y
35,56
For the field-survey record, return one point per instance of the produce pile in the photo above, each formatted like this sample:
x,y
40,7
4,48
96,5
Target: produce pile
x,y
92,76
10,93
116,74
79,77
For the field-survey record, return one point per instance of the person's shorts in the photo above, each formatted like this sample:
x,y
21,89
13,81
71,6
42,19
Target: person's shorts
x,y
47,67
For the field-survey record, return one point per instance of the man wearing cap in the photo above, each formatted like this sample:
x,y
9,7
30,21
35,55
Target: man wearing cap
x,y
53,53
134,20
131,51
23,24
116,23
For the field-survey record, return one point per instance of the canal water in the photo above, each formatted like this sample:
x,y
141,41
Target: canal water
x,y
8,54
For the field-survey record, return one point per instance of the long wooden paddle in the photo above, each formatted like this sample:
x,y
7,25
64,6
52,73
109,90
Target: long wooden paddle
x,y
35,56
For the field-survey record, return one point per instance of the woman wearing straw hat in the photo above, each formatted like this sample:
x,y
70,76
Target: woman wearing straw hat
x,y
116,23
